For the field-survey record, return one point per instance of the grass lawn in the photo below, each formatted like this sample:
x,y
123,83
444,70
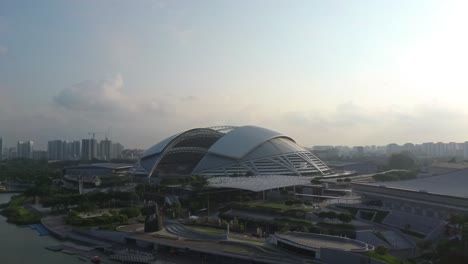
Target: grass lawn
x,y
237,249
387,258
294,221
207,230
277,206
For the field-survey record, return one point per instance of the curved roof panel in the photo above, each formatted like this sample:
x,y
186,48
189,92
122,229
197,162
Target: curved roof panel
x,y
158,148
149,161
272,147
240,141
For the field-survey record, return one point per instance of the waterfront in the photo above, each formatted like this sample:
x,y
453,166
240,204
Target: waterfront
x,y
23,245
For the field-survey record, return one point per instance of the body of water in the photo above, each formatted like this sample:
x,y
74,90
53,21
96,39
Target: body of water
x,y
21,245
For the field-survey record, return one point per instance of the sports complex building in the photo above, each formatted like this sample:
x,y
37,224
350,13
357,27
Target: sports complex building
x,y
436,196
230,152
91,176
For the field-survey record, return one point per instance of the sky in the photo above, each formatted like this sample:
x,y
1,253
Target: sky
x,y
323,72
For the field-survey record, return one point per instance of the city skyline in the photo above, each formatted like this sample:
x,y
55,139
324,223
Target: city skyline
x,y
99,141
334,72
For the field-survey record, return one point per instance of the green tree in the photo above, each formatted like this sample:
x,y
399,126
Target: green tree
x,y
381,250
198,182
345,218
331,215
130,212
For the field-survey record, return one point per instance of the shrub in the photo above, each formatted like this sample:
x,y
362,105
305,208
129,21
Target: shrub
x,y
292,202
381,250
130,212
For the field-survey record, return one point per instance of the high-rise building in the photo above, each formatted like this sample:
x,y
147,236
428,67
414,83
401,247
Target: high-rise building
x,y
64,150
74,150
393,149
358,151
88,149
116,151
11,153
451,149
55,150
24,149
39,154
105,149
1,148
465,150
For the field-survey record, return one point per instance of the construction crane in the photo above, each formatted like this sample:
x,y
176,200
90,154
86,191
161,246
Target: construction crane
x,y
106,134
97,133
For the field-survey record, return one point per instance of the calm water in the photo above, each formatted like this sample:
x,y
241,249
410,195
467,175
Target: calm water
x,y
23,246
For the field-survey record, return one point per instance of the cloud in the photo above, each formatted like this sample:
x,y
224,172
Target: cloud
x,y
91,96
189,98
349,123
99,99
156,106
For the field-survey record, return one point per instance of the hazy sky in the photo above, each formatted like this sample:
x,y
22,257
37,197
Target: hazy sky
x,y
323,72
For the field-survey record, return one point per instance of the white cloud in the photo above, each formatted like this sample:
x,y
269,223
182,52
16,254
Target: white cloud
x,y
350,124
89,96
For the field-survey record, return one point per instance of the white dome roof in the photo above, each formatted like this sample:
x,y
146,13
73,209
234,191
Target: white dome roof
x,y
228,151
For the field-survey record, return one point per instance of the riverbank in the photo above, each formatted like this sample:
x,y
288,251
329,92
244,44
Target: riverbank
x,y
21,244
16,213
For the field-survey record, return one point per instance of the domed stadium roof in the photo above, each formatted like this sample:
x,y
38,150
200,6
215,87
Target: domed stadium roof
x,y
230,151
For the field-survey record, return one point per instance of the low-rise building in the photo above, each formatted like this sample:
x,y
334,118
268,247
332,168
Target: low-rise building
x,y
91,176
438,196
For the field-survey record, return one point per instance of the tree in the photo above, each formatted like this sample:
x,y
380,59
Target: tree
x,y
322,215
425,245
347,180
381,250
401,161
198,182
339,180
130,212
86,206
331,215
345,218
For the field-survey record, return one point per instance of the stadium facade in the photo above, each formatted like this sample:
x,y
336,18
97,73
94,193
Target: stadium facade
x,y
229,152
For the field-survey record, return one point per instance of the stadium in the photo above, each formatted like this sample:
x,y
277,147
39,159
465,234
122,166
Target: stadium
x,y
230,152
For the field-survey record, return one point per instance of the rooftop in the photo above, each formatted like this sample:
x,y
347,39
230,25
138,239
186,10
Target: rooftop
x,y
450,184
103,165
258,183
460,165
323,241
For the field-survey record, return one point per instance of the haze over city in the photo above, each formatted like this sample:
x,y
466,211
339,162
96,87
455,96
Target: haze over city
x,y
254,131
324,72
